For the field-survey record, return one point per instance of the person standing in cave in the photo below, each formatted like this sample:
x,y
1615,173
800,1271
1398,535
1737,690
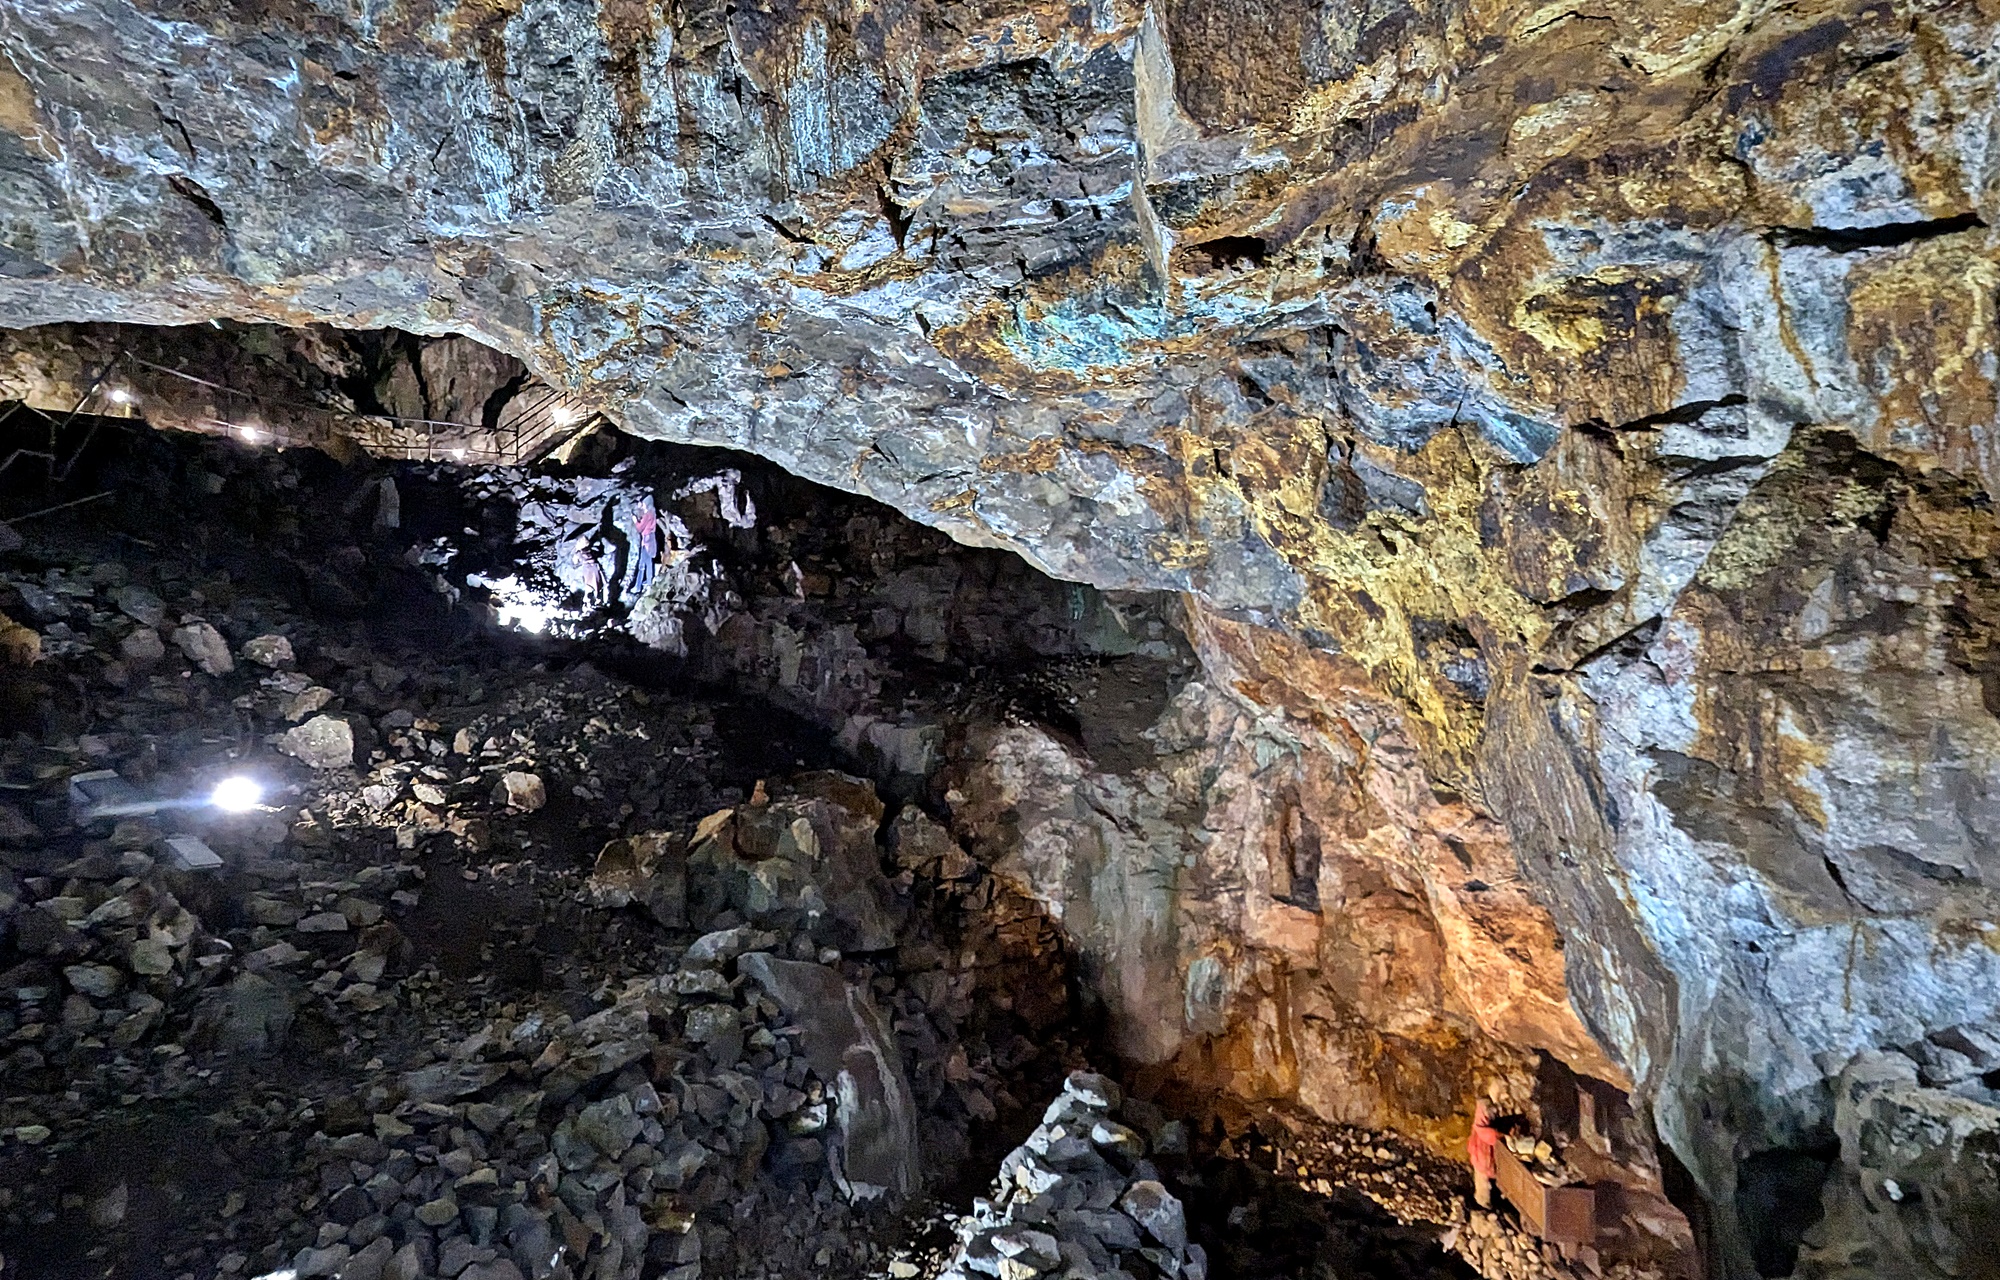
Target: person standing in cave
x,y
645,544
1480,1147
589,572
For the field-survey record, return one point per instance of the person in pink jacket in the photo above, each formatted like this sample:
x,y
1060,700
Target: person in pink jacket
x,y
645,544
1480,1147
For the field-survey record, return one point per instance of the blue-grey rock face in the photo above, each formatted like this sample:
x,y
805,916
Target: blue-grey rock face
x,y
1612,395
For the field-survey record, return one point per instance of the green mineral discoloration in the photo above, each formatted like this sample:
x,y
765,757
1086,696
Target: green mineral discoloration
x,y
1310,335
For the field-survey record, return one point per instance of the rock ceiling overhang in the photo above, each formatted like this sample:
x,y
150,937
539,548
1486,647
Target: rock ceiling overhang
x,y
1518,354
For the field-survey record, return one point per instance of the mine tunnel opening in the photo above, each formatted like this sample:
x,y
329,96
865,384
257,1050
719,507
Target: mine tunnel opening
x,y
603,790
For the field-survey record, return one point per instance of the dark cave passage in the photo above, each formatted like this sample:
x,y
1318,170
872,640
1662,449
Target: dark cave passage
x,y
520,963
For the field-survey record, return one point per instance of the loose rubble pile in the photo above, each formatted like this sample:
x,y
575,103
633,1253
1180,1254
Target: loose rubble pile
x,y
523,971
1419,1197
1079,1199
1499,1250
1405,1181
731,1108
510,977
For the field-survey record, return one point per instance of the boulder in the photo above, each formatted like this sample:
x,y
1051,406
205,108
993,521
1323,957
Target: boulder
x,y
323,742
19,646
443,1081
252,1014
298,706
204,646
648,870
139,604
98,980
611,1125
1153,1207
850,1047
521,792
369,1262
143,647
268,651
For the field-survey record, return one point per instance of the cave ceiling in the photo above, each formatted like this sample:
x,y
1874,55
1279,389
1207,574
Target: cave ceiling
x,y
1608,390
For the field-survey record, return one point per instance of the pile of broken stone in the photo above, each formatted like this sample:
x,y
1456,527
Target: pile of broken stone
x,y
581,1148
735,1105
1079,1199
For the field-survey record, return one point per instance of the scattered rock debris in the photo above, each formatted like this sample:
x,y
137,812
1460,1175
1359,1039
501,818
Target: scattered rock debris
x,y
518,969
505,978
1078,1198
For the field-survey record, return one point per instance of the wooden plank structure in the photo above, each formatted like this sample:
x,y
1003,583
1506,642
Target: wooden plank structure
x,y
1564,1216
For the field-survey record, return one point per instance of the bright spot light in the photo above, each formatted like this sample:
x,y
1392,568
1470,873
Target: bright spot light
x,y
563,414
515,605
249,433
533,619
458,454
119,395
236,794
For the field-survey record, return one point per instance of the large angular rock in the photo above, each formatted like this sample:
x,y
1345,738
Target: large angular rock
x,y
323,742
849,1045
143,647
19,646
139,604
268,651
649,870
520,791
444,1081
253,1014
204,646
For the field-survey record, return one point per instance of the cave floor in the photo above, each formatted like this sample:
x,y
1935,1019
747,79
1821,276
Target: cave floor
x,y
243,1101
438,1013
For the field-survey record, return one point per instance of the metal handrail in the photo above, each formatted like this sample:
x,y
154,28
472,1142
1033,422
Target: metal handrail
x,y
531,423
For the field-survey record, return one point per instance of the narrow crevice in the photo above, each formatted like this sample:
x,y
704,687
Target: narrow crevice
x,y
1889,235
1683,414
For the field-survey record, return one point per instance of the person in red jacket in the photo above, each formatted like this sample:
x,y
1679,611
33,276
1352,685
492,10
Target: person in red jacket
x,y
645,544
1480,1147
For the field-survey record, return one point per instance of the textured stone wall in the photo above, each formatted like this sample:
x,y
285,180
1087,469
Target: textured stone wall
x,y
1603,398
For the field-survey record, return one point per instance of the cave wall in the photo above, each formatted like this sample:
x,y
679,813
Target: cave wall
x,y
1608,394
340,391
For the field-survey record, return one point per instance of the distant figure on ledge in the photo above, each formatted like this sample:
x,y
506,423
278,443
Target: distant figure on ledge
x,y
645,545
590,574
1480,1147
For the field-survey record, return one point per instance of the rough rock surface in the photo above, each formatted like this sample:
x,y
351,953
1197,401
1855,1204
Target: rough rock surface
x,y
1078,1198
1921,1162
1607,397
399,1032
850,1046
